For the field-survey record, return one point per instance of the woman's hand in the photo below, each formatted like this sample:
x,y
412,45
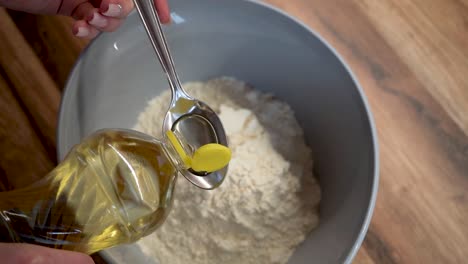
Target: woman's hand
x,y
91,16
29,254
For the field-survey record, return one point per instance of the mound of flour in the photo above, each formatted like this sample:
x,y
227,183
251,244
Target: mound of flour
x,y
267,204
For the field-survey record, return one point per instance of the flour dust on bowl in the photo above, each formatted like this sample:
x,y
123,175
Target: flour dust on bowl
x,y
118,76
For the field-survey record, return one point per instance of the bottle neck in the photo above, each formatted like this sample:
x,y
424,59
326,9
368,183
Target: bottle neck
x,y
173,157
177,150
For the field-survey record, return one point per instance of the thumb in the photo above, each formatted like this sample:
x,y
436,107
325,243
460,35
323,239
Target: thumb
x,y
29,254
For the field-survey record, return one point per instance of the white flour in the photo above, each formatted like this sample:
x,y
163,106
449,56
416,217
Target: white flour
x,y
269,201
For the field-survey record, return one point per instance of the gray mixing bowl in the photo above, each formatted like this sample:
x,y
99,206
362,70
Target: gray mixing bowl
x,y
116,76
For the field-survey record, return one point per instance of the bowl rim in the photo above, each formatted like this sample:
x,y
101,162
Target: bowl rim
x,y
359,238
352,251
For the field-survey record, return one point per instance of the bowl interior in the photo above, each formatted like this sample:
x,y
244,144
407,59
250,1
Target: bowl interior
x,y
119,73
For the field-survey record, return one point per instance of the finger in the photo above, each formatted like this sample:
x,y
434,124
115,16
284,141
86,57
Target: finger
x,y
103,23
121,8
163,11
82,29
82,11
116,8
25,254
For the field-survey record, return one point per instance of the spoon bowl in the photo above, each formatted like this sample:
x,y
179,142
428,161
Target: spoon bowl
x,y
194,120
199,125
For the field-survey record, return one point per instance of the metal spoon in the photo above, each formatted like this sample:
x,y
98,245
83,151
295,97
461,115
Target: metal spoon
x,y
194,120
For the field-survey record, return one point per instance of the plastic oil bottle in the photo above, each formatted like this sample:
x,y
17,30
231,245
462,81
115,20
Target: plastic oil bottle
x,y
115,187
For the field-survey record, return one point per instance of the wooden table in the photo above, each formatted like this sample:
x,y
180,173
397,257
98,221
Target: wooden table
x,y
411,57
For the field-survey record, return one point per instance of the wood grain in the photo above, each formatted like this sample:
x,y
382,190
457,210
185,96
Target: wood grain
x,y
424,157
425,40
23,157
411,58
53,42
30,81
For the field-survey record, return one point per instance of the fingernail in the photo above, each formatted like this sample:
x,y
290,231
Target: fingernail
x,y
114,10
98,20
82,32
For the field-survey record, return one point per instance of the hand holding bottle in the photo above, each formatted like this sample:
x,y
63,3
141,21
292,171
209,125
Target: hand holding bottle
x,y
26,254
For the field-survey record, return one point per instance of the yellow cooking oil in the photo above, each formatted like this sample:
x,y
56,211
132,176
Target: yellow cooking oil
x,y
113,188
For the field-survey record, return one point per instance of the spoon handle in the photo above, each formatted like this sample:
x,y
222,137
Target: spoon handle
x,y
150,19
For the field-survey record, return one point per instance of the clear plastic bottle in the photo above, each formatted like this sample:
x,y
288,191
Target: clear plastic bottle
x,y
115,187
